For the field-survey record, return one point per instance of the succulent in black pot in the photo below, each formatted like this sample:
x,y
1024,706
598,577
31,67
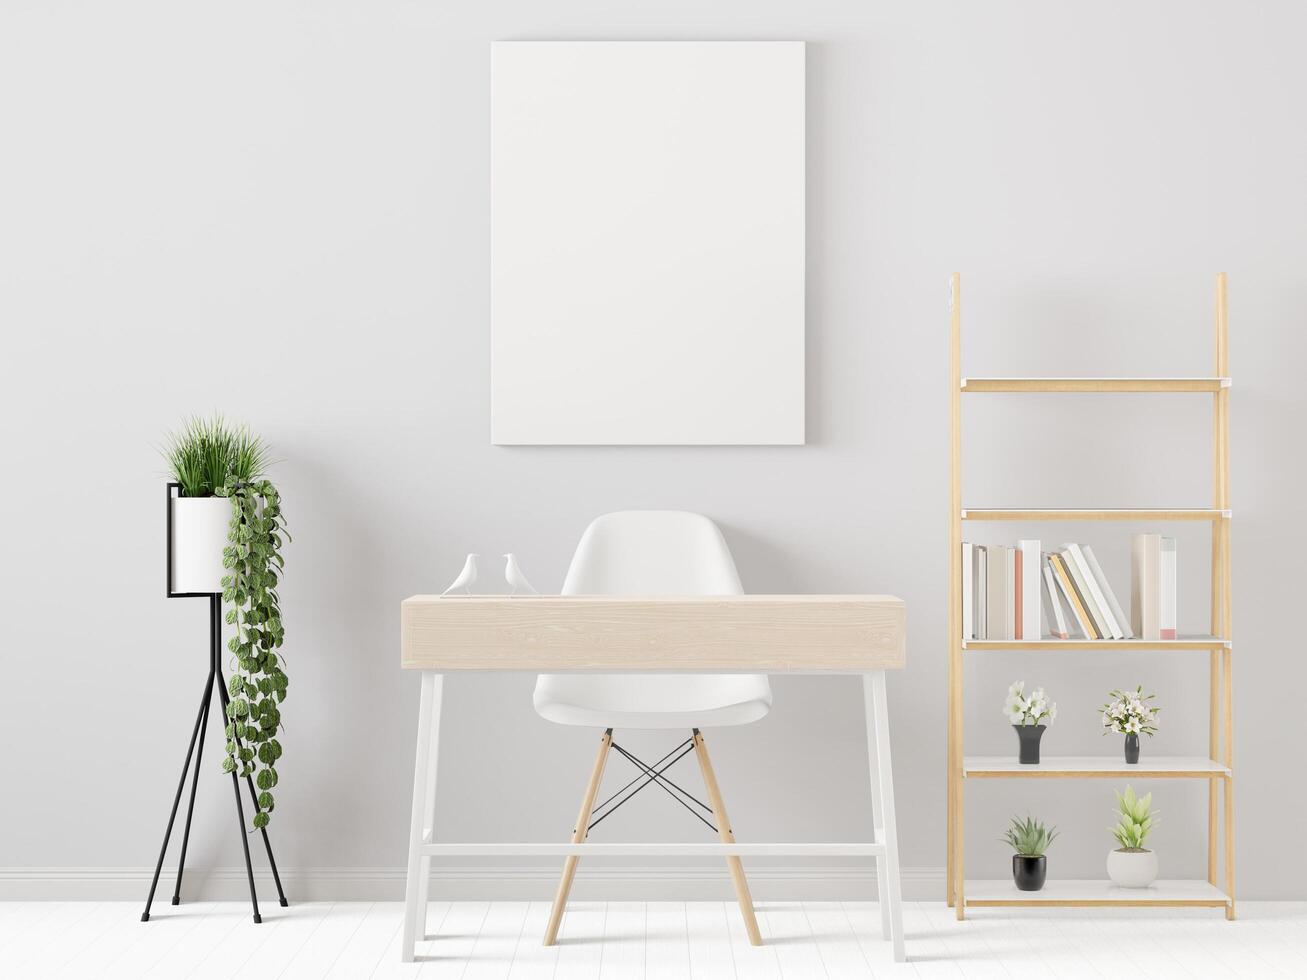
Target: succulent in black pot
x,y
1029,840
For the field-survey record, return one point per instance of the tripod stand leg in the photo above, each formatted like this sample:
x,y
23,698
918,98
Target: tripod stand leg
x,y
254,802
215,645
267,845
181,784
190,806
245,843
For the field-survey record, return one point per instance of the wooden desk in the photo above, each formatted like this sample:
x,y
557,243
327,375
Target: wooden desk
x,y
798,634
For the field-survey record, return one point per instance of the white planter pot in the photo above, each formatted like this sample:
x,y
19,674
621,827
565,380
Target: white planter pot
x,y
199,533
1132,869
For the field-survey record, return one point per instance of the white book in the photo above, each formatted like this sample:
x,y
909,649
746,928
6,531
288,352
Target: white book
x,y
1053,606
1166,590
1010,590
981,605
1117,613
1031,627
1091,594
1145,566
998,616
968,625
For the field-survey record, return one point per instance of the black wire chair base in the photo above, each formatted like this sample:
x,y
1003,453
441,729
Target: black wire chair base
x,y
654,775
215,679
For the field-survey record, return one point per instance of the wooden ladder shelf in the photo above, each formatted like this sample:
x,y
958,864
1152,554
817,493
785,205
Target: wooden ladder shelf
x,y
1217,891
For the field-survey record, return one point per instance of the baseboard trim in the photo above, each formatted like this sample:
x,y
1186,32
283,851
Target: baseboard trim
x,y
466,882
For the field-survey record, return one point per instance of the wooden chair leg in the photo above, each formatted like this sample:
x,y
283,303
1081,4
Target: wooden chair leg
x,y
727,837
578,835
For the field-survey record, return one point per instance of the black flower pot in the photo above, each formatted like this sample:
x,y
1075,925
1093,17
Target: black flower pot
x,y
1029,872
1132,750
1028,737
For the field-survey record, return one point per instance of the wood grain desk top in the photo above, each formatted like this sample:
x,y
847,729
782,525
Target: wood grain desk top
x,y
769,634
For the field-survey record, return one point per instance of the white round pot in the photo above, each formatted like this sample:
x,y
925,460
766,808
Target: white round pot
x,y
1132,869
199,533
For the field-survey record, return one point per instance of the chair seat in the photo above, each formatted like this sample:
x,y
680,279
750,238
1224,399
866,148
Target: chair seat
x,y
652,700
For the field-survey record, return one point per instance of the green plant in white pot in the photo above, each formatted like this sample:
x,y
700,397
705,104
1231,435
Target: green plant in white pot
x,y
227,535
206,456
1132,865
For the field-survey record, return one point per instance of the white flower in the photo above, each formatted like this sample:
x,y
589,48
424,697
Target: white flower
x,y
1033,709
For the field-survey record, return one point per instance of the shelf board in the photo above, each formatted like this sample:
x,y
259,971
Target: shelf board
x,y
1094,384
1093,767
1110,514
1194,642
1089,893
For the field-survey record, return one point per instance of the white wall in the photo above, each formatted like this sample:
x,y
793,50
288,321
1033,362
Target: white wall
x,y
281,210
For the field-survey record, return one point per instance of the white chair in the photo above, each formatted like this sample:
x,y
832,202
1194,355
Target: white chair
x,y
653,553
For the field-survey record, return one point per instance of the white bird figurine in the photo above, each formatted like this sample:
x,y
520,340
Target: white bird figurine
x,y
513,575
465,578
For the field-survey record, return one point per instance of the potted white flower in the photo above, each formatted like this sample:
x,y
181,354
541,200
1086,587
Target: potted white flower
x,y
1130,714
206,456
1132,865
1029,715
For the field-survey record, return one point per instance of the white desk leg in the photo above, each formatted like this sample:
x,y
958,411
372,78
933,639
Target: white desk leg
x,y
882,799
423,820
878,822
429,808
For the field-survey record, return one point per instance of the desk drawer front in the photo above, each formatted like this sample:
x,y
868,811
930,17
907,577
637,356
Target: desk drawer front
x,y
762,634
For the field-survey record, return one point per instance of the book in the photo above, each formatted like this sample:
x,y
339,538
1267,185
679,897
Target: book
x,y
1052,605
968,596
1102,630
980,577
1067,598
1078,610
1106,588
998,615
1166,590
1145,585
1016,594
1111,629
1029,590
1010,587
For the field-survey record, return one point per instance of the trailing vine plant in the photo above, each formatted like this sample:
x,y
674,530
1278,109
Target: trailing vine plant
x,y
257,686
213,458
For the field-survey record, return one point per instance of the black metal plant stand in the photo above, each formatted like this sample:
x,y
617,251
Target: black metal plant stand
x,y
215,679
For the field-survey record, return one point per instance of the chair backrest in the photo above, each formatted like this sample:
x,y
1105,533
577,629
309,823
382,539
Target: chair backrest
x,y
652,552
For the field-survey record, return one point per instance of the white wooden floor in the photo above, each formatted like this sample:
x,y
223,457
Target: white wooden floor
x,y
635,939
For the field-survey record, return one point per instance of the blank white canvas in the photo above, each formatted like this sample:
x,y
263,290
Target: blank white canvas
x,y
647,243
